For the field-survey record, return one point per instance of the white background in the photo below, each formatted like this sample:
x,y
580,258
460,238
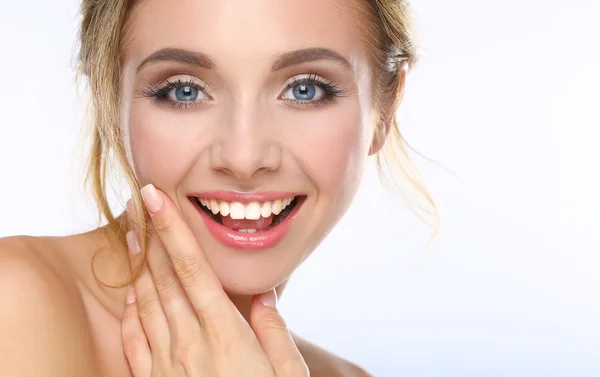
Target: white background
x,y
506,98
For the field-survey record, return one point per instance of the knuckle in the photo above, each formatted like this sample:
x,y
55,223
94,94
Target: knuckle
x,y
165,225
148,307
165,279
188,269
273,321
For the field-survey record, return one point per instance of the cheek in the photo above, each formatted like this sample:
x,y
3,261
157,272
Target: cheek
x,y
162,148
333,150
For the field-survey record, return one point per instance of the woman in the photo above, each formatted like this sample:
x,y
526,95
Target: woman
x,y
242,128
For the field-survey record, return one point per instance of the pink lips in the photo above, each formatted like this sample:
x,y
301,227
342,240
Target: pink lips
x,y
248,241
232,196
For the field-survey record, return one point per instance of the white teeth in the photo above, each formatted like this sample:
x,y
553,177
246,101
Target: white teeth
x,y
265,210
253,211
214,207
224,208
237,211
250,211
277,207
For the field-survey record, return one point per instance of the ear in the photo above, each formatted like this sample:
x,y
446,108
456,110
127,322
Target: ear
x,y
380,136
382,130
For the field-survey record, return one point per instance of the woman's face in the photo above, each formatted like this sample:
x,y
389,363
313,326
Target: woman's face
x,y
240,106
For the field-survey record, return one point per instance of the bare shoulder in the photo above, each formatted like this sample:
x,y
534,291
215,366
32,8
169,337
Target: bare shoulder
x,y
42,327
323,363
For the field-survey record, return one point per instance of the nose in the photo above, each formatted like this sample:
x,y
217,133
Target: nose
x,y
246,147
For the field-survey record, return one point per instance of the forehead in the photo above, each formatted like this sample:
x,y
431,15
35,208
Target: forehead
x,y
245,30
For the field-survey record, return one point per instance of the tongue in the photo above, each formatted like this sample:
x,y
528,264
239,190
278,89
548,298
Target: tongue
x,y
260,224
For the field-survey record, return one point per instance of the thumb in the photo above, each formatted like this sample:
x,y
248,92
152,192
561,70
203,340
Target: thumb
x,y
275,337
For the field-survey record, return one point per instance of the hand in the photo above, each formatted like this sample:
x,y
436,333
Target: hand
x,y
180,322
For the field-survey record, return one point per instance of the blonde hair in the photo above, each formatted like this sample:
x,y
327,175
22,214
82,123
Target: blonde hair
x,y
388,33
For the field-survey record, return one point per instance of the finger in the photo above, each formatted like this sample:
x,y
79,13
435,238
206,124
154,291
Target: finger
x,y
176,305
275,338
135,343
195,274
148,304
183,320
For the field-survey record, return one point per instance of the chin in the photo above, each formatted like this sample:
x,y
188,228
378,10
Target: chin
x,y
252,272
250,285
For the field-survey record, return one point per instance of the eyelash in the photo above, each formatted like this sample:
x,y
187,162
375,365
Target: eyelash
x,y
331,90
161,92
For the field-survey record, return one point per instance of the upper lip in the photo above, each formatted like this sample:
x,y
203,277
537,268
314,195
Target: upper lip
x,y
245,197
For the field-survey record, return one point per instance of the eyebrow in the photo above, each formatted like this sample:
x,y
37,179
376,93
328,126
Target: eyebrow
x,y
307,55
283,61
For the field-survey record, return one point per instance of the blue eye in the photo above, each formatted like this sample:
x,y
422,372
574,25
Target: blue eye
x,y
178,94
181,94
304,92
184,94
311,90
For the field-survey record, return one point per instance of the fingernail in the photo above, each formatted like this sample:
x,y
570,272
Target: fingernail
x,y
133,243
269,298
152,198
131,295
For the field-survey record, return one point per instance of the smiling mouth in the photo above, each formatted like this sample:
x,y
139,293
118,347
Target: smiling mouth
x,y
253,217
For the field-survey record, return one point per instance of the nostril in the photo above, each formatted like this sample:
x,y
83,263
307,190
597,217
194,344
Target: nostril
x,y
263,170
244,172
225,171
